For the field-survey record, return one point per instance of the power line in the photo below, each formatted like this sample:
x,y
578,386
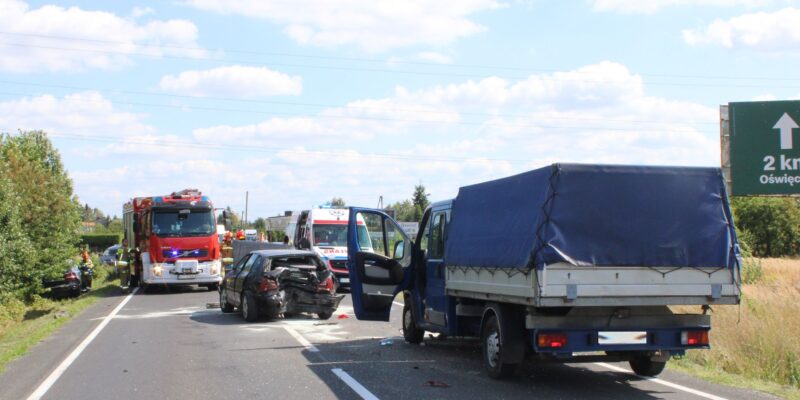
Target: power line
x,y
375,60
379,70
269,150
379,119
318,105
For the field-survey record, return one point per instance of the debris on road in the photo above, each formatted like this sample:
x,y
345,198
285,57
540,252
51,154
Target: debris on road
x,y
436,384
342,316
387,342
210,306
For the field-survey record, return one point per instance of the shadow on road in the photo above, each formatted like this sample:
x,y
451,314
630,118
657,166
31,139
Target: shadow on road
x,y
452,369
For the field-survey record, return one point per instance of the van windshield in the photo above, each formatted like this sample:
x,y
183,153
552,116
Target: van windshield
x,y
175,223
330,235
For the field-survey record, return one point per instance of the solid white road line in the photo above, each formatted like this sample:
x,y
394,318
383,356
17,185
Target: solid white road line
x,y
663,382
48,383
357,387
297,336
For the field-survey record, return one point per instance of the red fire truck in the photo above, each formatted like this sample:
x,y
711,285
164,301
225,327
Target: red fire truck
x,y
173,240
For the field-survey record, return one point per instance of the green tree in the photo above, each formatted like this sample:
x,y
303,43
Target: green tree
x,y
236,221
404,211
770,225
338,202
420,200
49,213
16,252
260,224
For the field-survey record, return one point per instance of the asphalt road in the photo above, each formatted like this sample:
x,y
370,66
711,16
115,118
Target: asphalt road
x,y
169,345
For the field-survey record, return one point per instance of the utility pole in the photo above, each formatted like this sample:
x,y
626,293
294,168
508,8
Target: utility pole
x,y
246,204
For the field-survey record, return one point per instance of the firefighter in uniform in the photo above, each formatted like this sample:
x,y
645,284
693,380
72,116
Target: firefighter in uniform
x,y
125,273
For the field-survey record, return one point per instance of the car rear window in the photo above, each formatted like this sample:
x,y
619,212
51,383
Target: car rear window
x,y
306,262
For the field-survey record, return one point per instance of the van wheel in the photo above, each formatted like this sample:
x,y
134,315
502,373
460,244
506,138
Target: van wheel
x,y
224,305
492,338
213,287
643,365
411,333
249,308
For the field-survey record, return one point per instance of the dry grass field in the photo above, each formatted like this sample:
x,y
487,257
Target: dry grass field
x,y
760,339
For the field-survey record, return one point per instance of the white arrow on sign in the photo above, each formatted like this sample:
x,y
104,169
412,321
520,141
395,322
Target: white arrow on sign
x,y
786,124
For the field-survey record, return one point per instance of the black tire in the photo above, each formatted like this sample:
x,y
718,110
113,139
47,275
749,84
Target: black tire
x,y
644,366
249,308
223,302
492,340
325,315
213,287
411,333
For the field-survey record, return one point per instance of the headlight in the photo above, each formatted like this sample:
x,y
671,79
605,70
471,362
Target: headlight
x,y
214,270
157,270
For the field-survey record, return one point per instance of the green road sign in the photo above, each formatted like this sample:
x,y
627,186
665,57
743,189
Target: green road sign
x,y
765,147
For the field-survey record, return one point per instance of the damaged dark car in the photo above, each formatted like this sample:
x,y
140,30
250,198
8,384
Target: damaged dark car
x,y
279,283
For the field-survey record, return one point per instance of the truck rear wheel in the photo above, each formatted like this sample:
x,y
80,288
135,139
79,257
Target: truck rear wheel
x,y
643,365
411,333
492,338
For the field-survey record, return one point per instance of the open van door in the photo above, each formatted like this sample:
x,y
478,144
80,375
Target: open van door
x,y
379,262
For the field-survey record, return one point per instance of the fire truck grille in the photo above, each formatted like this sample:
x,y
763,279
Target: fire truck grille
x,y
185,253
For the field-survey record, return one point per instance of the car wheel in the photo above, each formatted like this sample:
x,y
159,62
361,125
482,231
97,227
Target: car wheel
x,y
643,365
325,315
249,308
411,333
213,287
492,338
224,305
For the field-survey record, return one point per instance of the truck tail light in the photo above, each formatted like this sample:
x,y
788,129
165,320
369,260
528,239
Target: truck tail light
x,y
267,285
694,338
326,286
552,340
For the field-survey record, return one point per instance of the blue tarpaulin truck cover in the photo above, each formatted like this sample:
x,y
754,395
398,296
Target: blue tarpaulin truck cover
x,y
598,215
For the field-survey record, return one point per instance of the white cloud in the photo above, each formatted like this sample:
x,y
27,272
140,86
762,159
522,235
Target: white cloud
x,y
771,32
39,39
653,6
84,113
373,26
435,57
141,11
444,136
234,81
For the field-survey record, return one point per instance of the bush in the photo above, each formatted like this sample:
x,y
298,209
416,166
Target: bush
x,y
47,211
99,242
752,272
772,225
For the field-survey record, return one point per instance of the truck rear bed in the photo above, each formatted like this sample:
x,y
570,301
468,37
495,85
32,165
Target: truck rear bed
x,y
594,235
561,285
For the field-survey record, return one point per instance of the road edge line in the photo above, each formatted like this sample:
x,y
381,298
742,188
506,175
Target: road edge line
x,y
663,382
297,336
51,379
357,387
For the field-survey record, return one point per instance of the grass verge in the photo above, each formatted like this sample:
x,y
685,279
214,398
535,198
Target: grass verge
x,y
43,317
756,344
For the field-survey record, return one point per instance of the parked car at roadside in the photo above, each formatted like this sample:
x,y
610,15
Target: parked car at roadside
x,y
68,285
109,256
279,282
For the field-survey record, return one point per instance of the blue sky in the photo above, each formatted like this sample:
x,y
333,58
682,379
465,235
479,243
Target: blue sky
x,y
300,101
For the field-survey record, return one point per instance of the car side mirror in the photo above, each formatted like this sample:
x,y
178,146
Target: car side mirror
x,y
399,250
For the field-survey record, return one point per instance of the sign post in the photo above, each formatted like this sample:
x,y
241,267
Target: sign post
x,y
761,154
